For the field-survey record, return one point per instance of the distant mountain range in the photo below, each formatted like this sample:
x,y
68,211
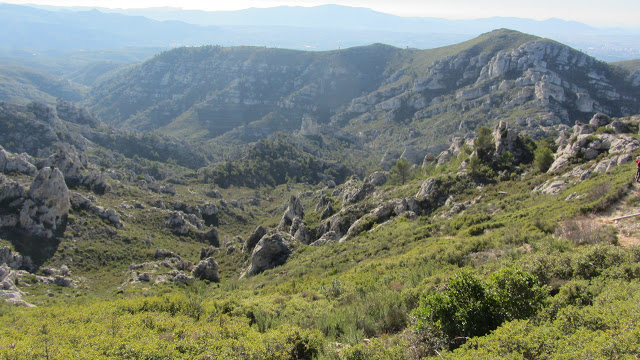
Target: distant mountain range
x,y
285,27
388,98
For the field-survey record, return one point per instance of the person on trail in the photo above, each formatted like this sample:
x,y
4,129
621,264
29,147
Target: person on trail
x,y
638,172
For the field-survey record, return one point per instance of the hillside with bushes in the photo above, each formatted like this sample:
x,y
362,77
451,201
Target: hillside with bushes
x,y
475,201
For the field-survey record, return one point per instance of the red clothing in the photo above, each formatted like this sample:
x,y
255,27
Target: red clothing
x,y
638,163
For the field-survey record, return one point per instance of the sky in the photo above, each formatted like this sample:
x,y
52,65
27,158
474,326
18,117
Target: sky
x,y
622,13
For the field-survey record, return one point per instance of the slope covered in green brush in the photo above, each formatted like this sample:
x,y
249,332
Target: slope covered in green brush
x,y
373,202
477,247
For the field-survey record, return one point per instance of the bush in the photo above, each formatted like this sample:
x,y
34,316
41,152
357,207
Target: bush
x,y
543,158
583,231
470,307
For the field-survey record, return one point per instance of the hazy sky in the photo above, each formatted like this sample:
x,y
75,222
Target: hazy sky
x,y
593,12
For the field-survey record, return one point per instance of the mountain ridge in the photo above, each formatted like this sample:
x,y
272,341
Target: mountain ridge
x,y
525,80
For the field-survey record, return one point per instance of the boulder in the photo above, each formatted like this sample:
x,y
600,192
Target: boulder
x,y
209,214
163,254
599,120
618,127
358,193
11,191
551,187
429,190
47,206
64,281
271,251
302,235
506,139
206,269
328,237
377,178
253,239
183,278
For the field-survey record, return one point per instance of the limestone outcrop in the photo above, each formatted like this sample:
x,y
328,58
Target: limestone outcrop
x,y
253,239
293,210
271,251
45,210
207,269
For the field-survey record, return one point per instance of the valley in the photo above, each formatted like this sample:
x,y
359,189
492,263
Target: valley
x,y
371,202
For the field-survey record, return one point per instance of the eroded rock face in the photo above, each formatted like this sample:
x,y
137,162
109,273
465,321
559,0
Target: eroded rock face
x,y
358,193
271,251
47,205
509,140
22,163
429,190
14,260
294,210
253,239
207,269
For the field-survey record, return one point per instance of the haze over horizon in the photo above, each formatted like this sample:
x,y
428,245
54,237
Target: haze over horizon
x,y
614,13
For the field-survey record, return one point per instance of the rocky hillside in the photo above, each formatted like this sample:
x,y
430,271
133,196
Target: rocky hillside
x,y
318,269
390,99
21,85
210,90
38,129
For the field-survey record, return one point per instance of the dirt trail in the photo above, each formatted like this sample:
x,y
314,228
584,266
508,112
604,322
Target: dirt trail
x,y
628,229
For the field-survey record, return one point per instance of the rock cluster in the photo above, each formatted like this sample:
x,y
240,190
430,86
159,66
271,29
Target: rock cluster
x,y
585,143
169,267
206,269
79,202
22,163
74,166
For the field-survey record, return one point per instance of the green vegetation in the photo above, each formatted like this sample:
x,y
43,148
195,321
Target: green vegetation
x,y
471,258
543,158
401,171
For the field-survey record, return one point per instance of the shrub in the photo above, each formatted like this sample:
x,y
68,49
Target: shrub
x,y
583,231
470,307
543,158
